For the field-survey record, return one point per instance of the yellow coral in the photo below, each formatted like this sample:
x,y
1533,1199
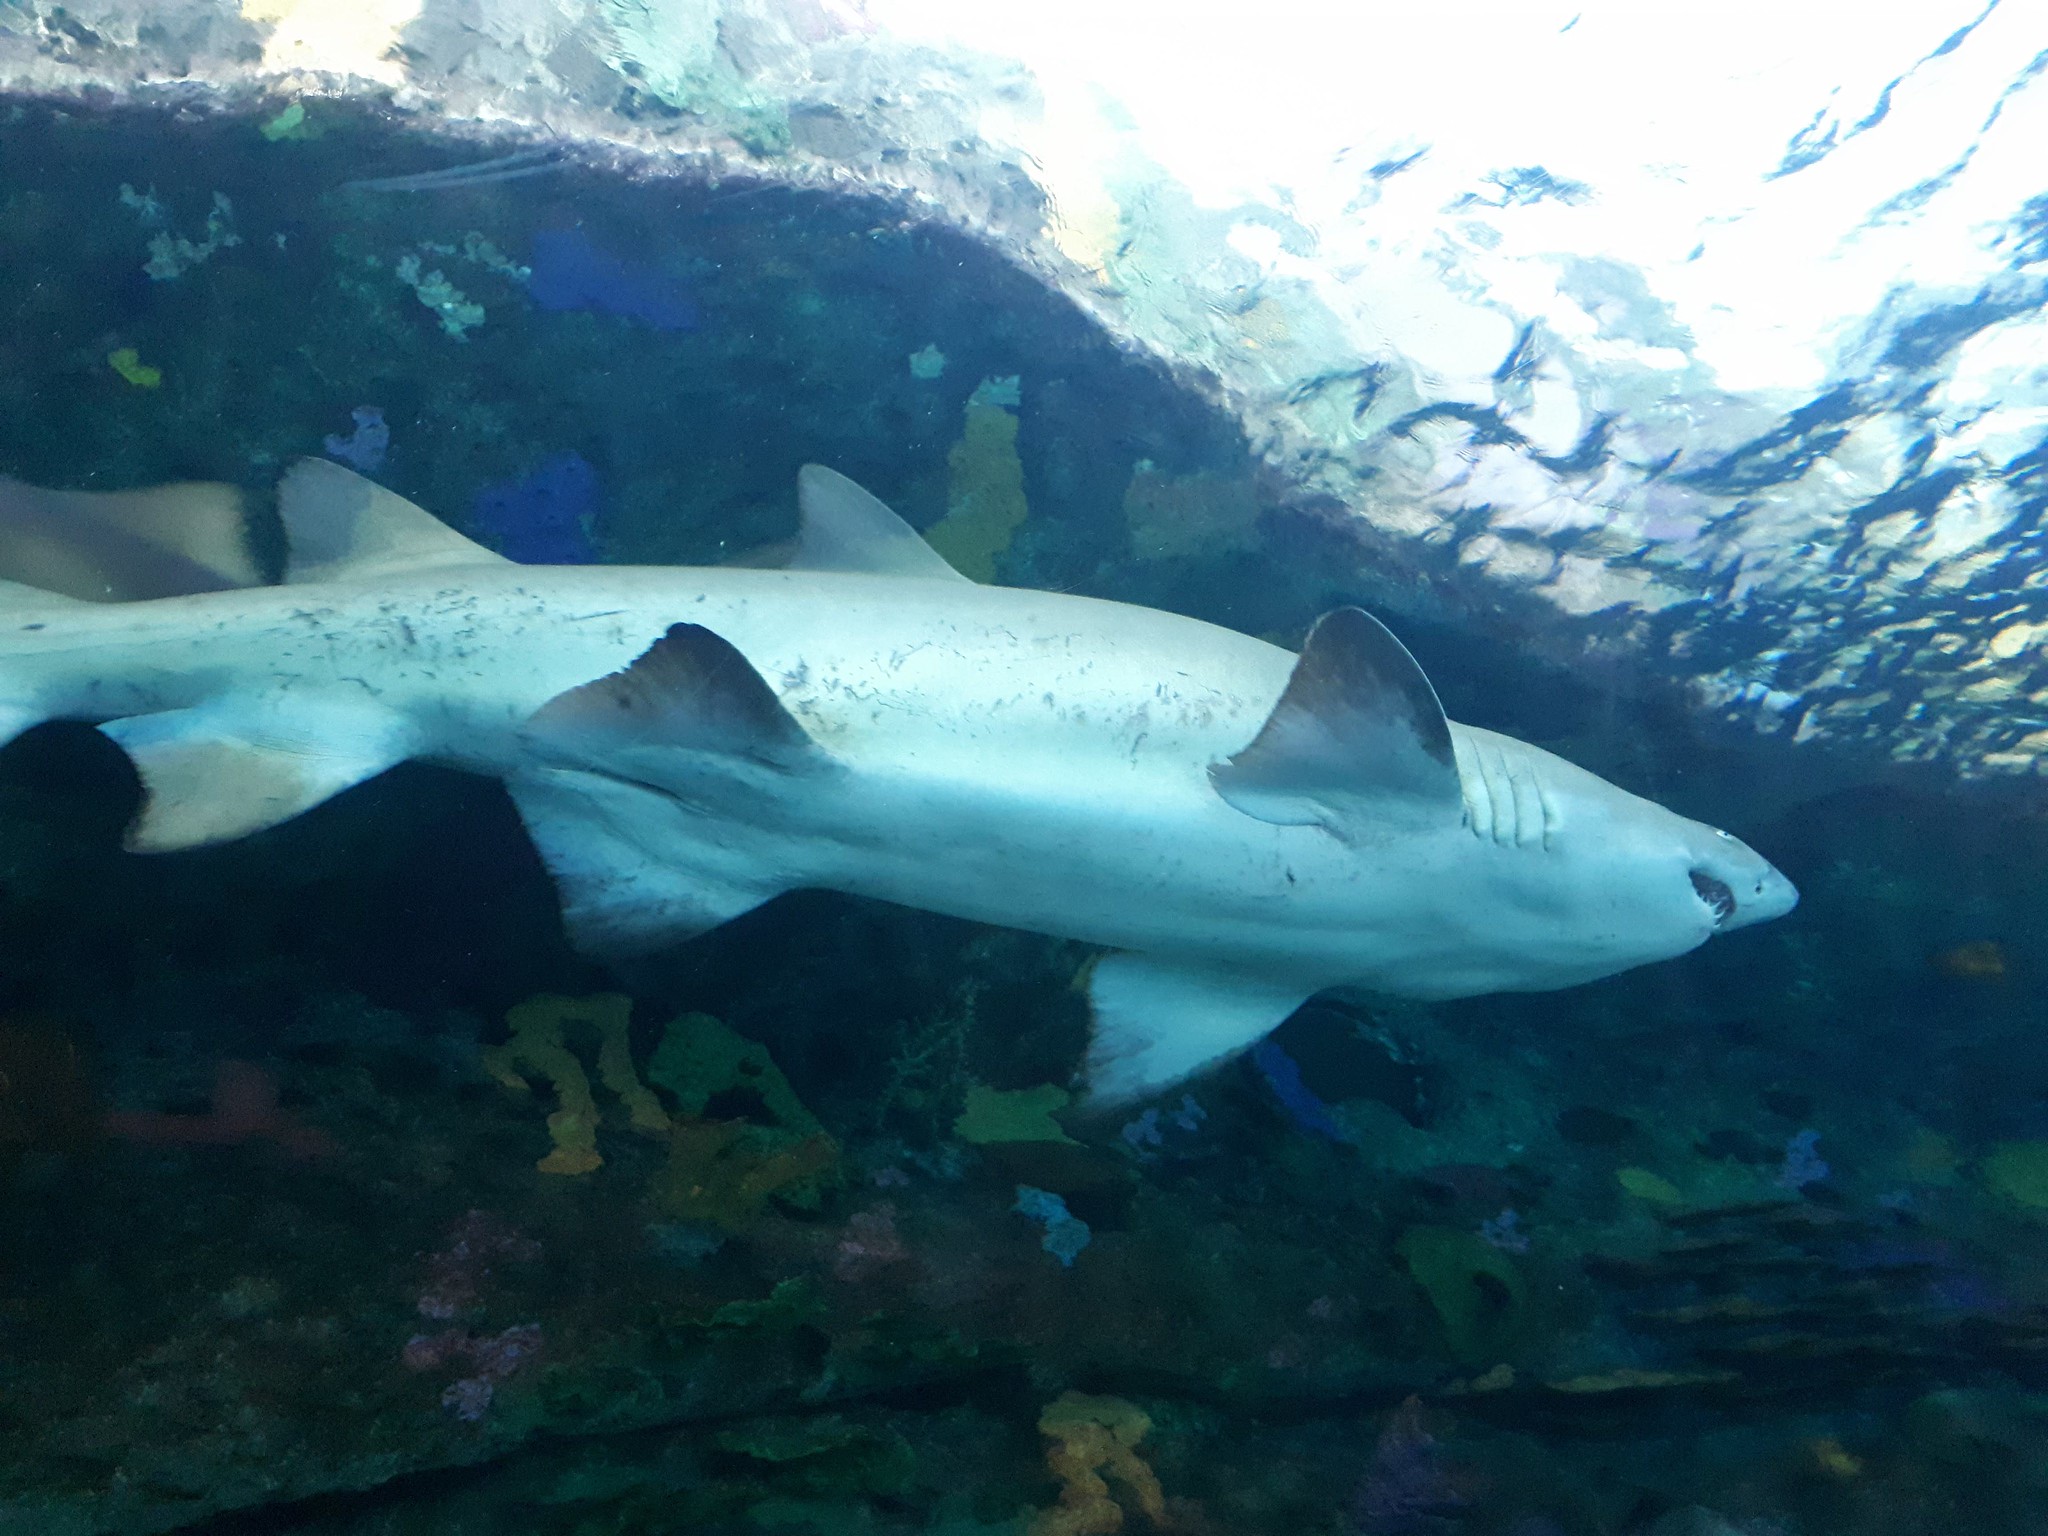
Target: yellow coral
x,y
984,485
537,1047
1092,1436
128,363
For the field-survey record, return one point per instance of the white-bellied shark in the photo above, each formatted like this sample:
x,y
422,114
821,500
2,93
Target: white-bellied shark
x,y
1238,826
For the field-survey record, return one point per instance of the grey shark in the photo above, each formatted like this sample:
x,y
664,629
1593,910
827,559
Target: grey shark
x,y
1238,827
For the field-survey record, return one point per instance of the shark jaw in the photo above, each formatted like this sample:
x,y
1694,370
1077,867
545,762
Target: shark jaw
x,y
1238,827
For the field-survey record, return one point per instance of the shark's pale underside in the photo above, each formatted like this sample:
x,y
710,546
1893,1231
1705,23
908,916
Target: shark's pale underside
x,y
1237,826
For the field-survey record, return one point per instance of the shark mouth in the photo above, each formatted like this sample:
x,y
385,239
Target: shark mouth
x,y
1715,894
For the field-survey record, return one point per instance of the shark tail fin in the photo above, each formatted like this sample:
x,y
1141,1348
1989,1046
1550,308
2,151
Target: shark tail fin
x,y
127,546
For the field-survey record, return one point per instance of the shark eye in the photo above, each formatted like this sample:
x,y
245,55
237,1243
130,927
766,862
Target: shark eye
x,y
1715,894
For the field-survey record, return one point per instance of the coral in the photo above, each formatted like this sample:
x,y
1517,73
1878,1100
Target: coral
x,y
128,363
2018,1170
1650,1187
458,314
724,1172
1025,1114
1283,1076
171,255
458,1270
792,1304
1803,1164
1476,1291
1065,1233
245,1108
363,449
1406,1491
870,1245
1091,1437
699,1059
289,125
1981,960
491,1358
984,484
544,517
537,1045
569,272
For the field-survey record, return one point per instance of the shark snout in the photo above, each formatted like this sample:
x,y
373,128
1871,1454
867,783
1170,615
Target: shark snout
x,y
1739,897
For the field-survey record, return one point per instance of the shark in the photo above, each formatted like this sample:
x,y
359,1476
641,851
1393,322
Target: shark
x,y
1234,826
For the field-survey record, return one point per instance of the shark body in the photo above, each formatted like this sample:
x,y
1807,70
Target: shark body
x,y
1238,826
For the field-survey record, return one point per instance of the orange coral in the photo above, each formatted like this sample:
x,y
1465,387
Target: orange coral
x,y
1092,1436
725,1171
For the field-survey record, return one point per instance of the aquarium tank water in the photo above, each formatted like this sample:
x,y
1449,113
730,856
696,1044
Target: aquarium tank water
x,y
1023,769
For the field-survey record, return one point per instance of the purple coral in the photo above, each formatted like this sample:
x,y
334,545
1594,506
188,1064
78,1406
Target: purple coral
x,y
545,516
491,1358
1283,1075
1803,1163
362,450
1407,1490
569,271
456,1272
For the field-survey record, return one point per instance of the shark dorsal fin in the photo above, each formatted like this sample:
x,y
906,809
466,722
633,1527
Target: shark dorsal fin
x,y
341,527
125,546
1357,733
690,691
843,528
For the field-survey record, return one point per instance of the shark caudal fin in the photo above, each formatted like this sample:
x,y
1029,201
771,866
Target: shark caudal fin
x,y
237,765
126,546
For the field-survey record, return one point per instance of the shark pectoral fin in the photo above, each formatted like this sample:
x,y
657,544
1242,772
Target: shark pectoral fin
x,y
1159,1019
1358,734
635,870
340,527
843,528
690,691
209,776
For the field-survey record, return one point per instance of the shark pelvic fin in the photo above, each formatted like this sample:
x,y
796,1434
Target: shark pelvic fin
x,y
1158,1020
210,775
1357,732
690,691
126,546
843,528
635,869
341,527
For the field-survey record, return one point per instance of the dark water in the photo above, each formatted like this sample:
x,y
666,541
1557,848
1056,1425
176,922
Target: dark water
x,y
1752,1240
